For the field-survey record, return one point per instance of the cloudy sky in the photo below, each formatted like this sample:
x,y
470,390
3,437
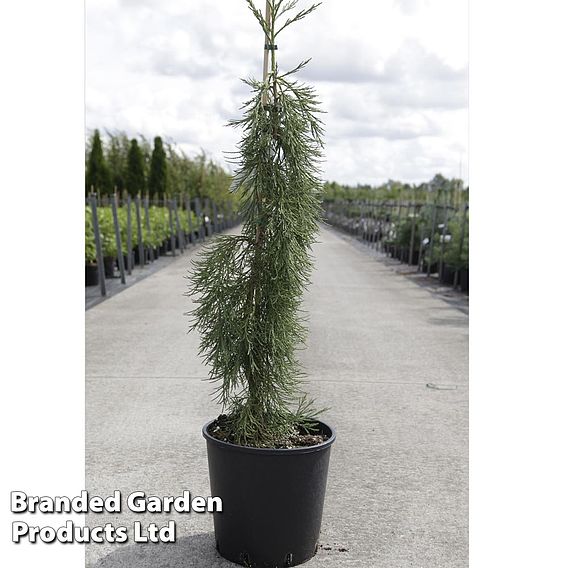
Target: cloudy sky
x,y
391,74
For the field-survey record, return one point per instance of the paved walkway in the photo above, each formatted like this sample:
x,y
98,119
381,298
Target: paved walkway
x,y
397,487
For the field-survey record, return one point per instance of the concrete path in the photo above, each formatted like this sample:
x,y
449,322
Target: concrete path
x,y
397,487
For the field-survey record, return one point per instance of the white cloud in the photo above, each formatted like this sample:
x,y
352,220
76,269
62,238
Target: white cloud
x,y
392,77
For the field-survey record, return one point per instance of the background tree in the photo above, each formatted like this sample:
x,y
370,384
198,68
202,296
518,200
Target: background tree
x,y
117,153
135,178
146,149
97,175
157,180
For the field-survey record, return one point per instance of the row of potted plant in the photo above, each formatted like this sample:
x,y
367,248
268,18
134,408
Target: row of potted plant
x,y
157,238
442,247
443,251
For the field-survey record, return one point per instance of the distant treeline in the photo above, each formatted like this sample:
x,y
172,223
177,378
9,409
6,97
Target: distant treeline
x,y
438,189
160,168
137,166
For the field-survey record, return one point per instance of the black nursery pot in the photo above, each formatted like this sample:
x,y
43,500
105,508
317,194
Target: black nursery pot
x,y
91,274
448,274
464,279
272,500
108,262
137,255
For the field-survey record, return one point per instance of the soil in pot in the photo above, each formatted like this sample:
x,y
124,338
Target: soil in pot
x,y
272,499
300,439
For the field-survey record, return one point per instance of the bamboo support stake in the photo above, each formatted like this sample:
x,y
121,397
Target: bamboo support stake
x,y
267,40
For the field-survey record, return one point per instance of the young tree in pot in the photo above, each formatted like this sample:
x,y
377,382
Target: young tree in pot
x,y
268,454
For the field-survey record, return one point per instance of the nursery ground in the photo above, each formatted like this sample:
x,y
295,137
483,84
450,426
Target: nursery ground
x,y
114,285
395,498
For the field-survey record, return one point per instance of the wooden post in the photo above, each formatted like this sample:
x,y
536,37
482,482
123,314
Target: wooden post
x,y
267,39
148,226
207,208
181,237
215,220
129,234
190,222
443,241
412,234
172,235
420,249
118,239
199,213
98,246
431,243
141,254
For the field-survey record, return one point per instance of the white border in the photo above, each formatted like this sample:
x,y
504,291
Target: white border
x,y
42,258
518,126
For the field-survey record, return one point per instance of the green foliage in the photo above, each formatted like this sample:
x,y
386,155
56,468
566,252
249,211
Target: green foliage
x,y
117,152
90,247
106,228
135,177
195,177
438,188
184,221
248,288
452,255
97,175
157,180
160,223
159,229
404,233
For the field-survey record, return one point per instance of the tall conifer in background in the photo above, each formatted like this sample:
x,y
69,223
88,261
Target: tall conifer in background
x,y
116,159
157,180
248,288
135,179
97,175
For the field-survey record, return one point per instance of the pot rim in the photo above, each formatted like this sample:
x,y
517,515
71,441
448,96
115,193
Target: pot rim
x,y
269,451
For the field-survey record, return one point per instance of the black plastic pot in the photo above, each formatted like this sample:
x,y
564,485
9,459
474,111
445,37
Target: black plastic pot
x,y
137,255
108,262
464,279
433,267
448,273
272,500
91,275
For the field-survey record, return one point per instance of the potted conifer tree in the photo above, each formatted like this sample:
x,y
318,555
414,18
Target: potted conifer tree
x,y
268,453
